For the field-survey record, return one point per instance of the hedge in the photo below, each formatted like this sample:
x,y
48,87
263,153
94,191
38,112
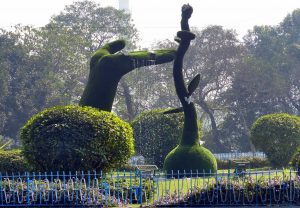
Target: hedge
x,y
76,138
13,161
278,135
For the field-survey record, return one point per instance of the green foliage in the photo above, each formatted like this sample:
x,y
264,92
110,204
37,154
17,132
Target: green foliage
x,y
254,162
156,134
278,135
13,161
95,23
55,56
186,157
76,138
295,161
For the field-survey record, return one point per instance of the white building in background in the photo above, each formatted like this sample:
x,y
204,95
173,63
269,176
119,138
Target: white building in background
x,y
124,5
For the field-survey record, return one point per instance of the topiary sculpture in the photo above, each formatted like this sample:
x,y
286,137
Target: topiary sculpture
x,y
107,68
72,137
76,138
189,154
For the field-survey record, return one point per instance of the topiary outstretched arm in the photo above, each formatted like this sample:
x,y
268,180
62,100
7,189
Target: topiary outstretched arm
x,y
107,68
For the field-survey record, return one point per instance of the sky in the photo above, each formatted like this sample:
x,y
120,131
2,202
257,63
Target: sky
x,y
160,19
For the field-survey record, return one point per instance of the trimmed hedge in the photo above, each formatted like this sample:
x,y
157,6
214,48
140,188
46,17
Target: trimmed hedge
x,y
278,135
254,162
13,161
76,138
156,134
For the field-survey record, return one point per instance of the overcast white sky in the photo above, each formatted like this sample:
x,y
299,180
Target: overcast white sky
x,y
159,19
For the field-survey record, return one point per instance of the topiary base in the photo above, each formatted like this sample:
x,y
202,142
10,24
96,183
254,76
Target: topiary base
x,y
186,157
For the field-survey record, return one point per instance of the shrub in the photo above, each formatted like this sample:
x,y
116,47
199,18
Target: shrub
x,y
254,162
13,161
76,138
156,134
278,135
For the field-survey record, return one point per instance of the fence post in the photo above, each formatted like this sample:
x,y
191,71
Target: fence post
x,y
89,188
270,187
291,186
178,172
28,194
130,192
256,189
1,197
51,186
140,190
191,188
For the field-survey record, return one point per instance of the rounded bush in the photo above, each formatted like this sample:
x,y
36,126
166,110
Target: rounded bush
x,y
76,138
156,134
278,135
13,161
188,158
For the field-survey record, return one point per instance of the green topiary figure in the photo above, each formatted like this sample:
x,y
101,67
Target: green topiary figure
x,y
107,68
189,154
76,138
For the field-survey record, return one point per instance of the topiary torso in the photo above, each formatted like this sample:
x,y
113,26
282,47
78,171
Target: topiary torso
x,y
76,138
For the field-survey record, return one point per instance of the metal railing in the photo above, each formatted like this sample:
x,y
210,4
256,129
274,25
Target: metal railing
x,y
237,155
193,188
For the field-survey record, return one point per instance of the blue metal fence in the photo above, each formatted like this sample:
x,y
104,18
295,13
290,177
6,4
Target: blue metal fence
x,y
277,187
237,155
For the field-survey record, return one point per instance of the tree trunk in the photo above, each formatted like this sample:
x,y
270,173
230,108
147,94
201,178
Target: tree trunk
x,y
128,100
215,131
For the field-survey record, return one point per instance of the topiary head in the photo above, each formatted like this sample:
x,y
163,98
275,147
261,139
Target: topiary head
x,y
76,138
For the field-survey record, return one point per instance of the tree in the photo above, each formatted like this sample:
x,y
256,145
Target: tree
x,y
55,56
255,91
215,55
96,25
278,135
267,80
15,69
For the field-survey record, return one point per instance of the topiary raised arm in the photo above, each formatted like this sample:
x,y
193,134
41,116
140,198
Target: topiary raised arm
x,y
107,68
190,132
189,154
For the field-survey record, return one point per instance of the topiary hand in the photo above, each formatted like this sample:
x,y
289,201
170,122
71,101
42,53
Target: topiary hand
x,y
107,68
